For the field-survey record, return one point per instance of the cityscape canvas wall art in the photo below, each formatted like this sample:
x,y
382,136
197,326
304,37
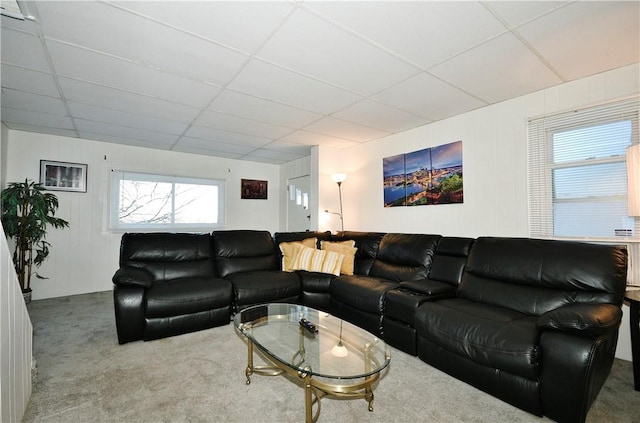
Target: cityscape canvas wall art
x,y
424,177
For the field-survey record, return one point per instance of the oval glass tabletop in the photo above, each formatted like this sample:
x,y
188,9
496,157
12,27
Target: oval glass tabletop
x,y
336,349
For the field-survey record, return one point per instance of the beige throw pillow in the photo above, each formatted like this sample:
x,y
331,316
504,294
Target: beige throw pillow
x,y
345,248
290,250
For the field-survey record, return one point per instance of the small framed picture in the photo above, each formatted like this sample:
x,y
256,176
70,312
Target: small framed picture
x,y
252,189
63,176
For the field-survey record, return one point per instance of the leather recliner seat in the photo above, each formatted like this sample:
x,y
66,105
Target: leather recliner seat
x,y
401,304
167,285
534,322
359,298
249,261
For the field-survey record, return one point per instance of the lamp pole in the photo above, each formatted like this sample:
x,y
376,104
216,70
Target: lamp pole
x,y
339,178
340,196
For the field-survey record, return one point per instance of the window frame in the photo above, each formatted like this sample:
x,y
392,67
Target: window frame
x,y
541,165
114,202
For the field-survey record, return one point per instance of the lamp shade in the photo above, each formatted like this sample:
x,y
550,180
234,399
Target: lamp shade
x,y
633,180
339,177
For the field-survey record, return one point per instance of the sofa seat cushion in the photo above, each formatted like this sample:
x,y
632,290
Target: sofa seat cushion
x,y
180,296
364,293
492,336
261,286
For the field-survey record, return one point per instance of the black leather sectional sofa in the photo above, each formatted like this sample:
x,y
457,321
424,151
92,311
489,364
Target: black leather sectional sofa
x,y
532,322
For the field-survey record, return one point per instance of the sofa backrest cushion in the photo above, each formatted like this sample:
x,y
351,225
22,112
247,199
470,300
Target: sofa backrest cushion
x,y
450,259
169,255
244,251
534,276
367,244
404,257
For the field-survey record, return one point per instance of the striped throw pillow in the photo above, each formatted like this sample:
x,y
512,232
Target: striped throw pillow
x,y
313,260
290,251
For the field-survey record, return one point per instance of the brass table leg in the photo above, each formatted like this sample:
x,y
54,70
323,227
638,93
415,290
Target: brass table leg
x,y
311,397
249,370
308,403
368,395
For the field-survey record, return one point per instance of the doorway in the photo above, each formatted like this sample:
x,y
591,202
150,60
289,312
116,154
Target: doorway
x,y
298,210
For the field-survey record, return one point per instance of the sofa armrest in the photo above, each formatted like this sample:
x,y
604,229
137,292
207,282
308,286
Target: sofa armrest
x,y
589,319
128,303
128,275
574,370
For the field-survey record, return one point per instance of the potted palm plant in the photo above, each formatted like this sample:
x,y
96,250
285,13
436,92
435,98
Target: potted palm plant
x,y
27,212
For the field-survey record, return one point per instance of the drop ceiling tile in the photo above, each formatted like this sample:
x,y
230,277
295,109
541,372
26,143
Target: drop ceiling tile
x,y
263,110
423,32
290,148
518,12
345,129
472,62
242,25
312,138
33,102
429,97
209,134
111,98
29,81
88,135
231,123
214,145
22,49
36,119
42,129
601,33
206,152
512,70
128,119
280,156
260,159
307,44
106,28
86,65
123,132
380,116
268,81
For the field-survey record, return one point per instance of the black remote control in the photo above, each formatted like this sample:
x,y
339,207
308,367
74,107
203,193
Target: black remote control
x,y
308,325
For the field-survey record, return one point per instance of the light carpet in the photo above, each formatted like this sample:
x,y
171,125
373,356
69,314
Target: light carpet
x,y
85,376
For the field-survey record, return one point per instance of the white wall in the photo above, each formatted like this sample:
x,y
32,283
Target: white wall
x,y
494,141
84,256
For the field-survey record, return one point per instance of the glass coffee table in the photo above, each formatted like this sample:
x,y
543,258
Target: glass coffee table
x,y
331,356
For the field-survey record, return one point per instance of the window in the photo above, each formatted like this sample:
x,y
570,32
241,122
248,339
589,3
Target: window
x,y
577,172
158,202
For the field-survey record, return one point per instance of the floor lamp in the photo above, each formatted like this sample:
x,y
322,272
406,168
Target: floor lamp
x,y
339,178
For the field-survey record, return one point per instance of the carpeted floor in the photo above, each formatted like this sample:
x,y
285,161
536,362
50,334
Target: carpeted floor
x,y
85,376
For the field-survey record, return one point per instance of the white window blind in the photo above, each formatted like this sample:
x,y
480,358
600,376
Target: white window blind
x,y
577,172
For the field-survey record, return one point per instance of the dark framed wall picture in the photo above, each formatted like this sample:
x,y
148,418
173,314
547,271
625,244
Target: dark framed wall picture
x,y
63,176
253,189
